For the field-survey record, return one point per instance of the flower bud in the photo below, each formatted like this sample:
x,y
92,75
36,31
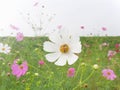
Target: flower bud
x,y
95,66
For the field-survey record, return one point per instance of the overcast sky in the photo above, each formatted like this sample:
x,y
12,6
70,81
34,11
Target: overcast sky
x,y
99,17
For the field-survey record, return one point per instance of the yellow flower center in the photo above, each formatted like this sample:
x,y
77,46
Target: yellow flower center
x,y
64,48
21,67
108,73
3,49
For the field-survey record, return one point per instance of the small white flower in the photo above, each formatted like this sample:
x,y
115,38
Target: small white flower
x,y
4,48
95,66
63,48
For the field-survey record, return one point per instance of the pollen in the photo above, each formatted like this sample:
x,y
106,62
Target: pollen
x,y
21,67
108,73
64,48
3,49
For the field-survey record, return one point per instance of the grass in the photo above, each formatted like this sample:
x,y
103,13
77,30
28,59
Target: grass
x,y
52,77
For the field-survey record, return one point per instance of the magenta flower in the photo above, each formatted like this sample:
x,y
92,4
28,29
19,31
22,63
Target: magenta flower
x,y
109,74
111,54
82,27
71,72
14,27
59,27
19,68
36,3
41,62
19,36
104,28
117,45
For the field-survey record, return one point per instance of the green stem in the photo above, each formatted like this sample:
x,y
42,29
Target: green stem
x,y
81,82
33,67
77,70
48,67
88,76
81,76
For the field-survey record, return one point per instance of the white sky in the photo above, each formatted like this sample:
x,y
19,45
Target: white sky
x,y
92,14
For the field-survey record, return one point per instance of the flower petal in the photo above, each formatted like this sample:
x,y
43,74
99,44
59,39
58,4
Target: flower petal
x,y
72,58
75,47
52,57
61,61
19,74
50,47
65,34
55,37
75,38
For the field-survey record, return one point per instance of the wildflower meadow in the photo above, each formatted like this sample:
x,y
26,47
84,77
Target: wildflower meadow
x,y
59,45
59,62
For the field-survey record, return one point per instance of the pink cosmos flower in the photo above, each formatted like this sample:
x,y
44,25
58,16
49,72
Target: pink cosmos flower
x,y
59,27
109,74
14,27
82,27
104,28
71,72
111,54
19,36
41,62
117,46
35,4
19,68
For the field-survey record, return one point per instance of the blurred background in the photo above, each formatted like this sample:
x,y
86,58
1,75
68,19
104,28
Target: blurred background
x,y
42,17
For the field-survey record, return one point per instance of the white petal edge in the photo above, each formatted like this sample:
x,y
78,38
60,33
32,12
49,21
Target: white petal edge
x,y
1,44
55,38
52,57
72,58
49,46
61,61
6,45
75,47
75,38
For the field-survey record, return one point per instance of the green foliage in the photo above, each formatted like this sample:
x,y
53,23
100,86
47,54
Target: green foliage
x,y
52,77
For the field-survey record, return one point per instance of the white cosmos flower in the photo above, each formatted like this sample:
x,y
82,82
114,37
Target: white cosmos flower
x,y
4,48
62,48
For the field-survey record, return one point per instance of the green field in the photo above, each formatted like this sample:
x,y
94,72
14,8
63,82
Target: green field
x,y
52,77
